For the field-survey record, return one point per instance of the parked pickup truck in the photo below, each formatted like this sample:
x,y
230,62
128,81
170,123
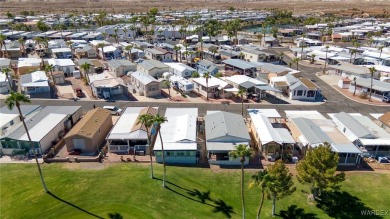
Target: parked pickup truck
x,y
79,92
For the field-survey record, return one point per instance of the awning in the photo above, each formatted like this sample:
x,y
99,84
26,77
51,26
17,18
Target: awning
x,y
268,88
231,89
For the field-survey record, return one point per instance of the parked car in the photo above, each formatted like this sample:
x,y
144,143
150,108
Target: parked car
x,y
79,92
113,109
386,99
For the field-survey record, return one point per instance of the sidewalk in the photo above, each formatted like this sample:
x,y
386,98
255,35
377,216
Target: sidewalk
x,y
332,80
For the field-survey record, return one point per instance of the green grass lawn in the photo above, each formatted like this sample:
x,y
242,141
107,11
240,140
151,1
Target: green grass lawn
x,y
128,191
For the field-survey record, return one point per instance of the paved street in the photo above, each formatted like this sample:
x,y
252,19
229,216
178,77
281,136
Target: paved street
x,y
336,102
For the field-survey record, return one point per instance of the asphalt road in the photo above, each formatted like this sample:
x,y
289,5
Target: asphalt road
x,y
336,102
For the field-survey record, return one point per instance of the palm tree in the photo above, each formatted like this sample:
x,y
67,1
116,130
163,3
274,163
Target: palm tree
x,y
260,38
262,180
115,37
157,121
352,51
296,61
312,58
176,48
372,71
2,43
6,71
70,44
147,121
21,41
242,152
49,69
101,45
281,55
326,57
207,75
128,48
85,67
303,45
168,84
241,93
380,49
125,30
354,81
14,99
370,41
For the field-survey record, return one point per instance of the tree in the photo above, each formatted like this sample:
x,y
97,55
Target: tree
x,y
168,84
318,169
49,69
352,51
176,48
354,82
2,44
14,99
101,45
312,58
21,41
157,121
128,48
218,75
207,75
372,72
282,184
241,93
261,179
41,26
281,55
195,74
303,44
126,30
70,44
6,71
296,61
370,41
380,48
242,152
326,57
85,67
147,121
260,38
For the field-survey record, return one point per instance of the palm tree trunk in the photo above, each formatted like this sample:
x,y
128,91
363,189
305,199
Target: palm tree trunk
x,y
150,153
242,190
32,147
273,205
163,157
207,90
9,81
242,105
261,205
372,75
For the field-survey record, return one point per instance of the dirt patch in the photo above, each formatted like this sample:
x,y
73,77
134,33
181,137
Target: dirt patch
x,y
86,166
347,8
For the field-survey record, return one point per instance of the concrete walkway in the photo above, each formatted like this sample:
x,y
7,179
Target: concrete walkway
x,y
7,159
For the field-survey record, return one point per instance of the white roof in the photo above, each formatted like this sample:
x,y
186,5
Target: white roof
x,y
96,42
213,82
61,62
55,50
270,113
143,78
239,79
29,62
179,132
99,77
42,128
3,78
179,66
267,133
122,129
376,115
108,49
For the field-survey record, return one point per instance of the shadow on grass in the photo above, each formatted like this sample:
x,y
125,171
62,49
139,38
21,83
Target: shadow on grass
x,y
75,206
293,212
219,206
115,215
343,205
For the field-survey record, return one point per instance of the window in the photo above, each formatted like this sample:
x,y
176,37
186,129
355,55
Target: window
x,y
304,93
299,93
294,93
180,153
158,153
169,153
311,93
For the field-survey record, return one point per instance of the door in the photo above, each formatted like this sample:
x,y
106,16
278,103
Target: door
x,y
79,143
